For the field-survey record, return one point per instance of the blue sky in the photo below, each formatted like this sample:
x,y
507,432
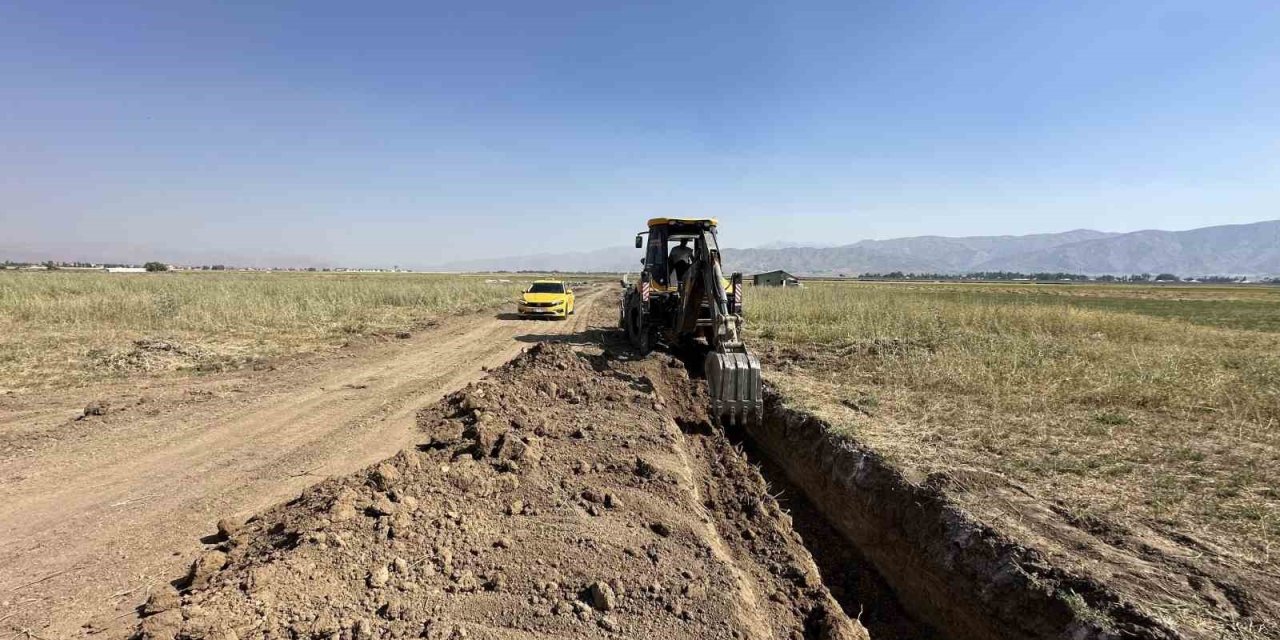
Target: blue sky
x,y
418,132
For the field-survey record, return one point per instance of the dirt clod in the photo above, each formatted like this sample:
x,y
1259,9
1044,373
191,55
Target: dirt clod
x,y
205,567
385,477
162,626
645,469
161,600
608,623
228,527
96,408
378,577
602,596
382,506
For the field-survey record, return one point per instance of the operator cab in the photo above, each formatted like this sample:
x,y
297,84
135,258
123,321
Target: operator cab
x,y
666,237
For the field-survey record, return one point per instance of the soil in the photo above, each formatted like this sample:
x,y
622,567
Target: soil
x,y
572,493
105,490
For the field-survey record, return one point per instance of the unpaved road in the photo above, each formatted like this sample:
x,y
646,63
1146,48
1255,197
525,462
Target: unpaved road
x,y
95,513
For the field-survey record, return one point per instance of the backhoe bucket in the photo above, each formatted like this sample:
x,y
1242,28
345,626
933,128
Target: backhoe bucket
x,y
733,378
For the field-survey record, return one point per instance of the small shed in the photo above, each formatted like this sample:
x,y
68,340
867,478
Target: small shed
x,y
777,278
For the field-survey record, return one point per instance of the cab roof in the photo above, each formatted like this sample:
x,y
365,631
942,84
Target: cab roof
x,y
548,281
658,222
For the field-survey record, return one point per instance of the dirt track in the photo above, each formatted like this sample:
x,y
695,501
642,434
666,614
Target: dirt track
x,y
94,513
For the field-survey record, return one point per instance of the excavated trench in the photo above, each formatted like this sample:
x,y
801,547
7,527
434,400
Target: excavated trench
x,y
906,560
916,564
852,579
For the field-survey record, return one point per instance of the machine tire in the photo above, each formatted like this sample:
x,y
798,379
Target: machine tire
x,y
637,333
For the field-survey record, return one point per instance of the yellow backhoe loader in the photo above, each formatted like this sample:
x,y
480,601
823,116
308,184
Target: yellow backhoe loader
x,y
682,299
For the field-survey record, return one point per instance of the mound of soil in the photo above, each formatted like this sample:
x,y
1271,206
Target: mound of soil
x,y
566,495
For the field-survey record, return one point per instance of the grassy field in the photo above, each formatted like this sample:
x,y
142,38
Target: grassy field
x,y
1235,307
1154,403
59,328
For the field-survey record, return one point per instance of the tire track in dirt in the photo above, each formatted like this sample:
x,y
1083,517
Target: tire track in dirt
x,y
88,526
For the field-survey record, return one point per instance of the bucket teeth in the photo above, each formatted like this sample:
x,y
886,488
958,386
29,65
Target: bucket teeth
x,y
733,379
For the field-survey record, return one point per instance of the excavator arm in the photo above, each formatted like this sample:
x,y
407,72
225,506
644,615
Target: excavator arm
x,y
732,372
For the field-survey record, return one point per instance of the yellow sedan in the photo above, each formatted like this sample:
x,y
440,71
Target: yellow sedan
x,y
547,299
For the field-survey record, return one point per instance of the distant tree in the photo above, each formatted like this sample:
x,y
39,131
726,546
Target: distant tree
x,y
1167,277
218,267
155,266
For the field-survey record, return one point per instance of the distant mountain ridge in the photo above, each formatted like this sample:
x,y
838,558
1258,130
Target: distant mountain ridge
x,y
1240,249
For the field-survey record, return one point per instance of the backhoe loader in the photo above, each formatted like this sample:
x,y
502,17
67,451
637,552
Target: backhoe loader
x,y
683,300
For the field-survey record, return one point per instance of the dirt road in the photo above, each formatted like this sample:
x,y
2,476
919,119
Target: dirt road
x,y
96,512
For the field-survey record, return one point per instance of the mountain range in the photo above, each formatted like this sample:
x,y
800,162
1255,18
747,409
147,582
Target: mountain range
x,y
1242,249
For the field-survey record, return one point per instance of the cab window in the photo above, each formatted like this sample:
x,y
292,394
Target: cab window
x,y
546,287
656,258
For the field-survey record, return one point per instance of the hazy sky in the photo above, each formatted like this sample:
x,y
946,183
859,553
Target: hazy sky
x,y
410,133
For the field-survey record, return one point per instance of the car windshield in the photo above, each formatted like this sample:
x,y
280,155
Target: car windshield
x,y
546,287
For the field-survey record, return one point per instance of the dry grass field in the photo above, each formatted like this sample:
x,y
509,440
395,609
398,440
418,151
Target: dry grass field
x,y
61,328
1127,409
1129,403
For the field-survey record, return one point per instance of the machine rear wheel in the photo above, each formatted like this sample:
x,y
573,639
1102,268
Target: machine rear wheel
x,y
637,333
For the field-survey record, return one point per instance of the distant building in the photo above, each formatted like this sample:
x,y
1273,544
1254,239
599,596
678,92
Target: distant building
x,y
777,278
126,270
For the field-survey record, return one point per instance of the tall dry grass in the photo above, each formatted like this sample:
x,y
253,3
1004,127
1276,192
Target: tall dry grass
x,y
1114,412
1019,355
65,327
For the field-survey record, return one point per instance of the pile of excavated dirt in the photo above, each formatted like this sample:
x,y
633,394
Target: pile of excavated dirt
x,y
566,495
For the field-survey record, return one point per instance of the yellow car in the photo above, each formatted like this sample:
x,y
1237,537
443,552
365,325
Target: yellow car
x,y
547,299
